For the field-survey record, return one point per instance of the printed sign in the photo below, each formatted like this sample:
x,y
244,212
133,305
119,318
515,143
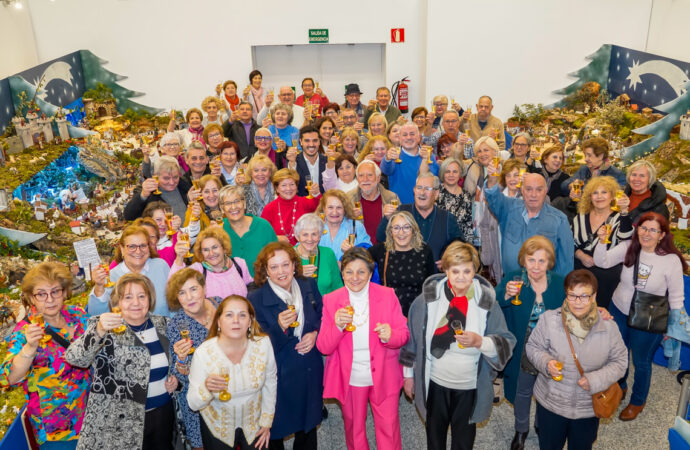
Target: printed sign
x,y
318,35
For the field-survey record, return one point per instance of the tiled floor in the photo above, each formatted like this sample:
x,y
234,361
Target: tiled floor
x,y
648,431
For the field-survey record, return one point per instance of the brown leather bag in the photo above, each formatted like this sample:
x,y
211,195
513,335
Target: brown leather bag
x,y
606,402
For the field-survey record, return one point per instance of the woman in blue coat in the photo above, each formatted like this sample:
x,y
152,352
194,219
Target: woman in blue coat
x,y
541,290
288,308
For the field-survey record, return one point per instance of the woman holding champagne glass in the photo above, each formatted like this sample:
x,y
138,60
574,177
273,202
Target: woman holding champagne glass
x,y
204,194
55,391
362,330
288,308
130,403
344,231
318,262
187,329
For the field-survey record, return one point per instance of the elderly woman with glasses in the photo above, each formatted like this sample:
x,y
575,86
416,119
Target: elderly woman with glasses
x,y
55,391
283,133
263,139
134,254
213,135
165,184
248,233
256,183
404,260
225,274
318,262
170,145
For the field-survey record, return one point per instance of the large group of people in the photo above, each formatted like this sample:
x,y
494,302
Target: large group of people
x,y
419,257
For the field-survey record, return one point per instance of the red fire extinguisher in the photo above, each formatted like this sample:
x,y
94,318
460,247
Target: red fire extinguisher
x,y
400,91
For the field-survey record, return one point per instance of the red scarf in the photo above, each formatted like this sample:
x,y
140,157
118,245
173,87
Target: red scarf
x,y
232,102
198,134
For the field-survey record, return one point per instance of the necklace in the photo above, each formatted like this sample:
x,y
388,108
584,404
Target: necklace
x,y
359,318
291,234
139,330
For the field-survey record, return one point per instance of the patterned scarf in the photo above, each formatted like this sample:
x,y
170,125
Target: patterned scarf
x,y
580,327
457,310
258,95
197,134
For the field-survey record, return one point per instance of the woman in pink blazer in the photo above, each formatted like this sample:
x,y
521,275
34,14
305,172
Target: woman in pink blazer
x,y
362,330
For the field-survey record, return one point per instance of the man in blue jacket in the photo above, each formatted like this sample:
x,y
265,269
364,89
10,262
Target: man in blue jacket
x,y
521,219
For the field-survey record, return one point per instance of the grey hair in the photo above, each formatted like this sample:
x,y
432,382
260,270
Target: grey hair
x,y
169,136
228,190
377,169
309,221
525,135
263,129
437,181
449,111
283,107
651,170
488,141
197,145
439,97
447,162
244,102
417,239
166,164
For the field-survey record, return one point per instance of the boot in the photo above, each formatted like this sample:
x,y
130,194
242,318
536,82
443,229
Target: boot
x,y
630,412
518,442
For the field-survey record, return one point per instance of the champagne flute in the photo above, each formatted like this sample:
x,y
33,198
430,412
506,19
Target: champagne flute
x,y
559,366
157,191
538,158
322,216
184,334
457,327
497,164
358,205
351,311
312,261
309,185
617,196
351,239
428,153
224,395
108,283
394,202
121,328
577,188
608,227
184,237
168,221
521,173
292,308
40,321
331,148
397,159
517,280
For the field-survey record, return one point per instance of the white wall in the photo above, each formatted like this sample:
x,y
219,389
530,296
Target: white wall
x,y
17,44
517,51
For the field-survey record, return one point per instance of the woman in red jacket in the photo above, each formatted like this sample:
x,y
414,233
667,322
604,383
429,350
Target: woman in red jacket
x,y
362,330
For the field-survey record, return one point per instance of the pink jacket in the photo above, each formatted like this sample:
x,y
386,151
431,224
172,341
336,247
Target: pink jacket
x,y
386,371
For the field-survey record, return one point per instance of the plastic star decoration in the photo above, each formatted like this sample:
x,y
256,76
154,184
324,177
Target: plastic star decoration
x,y
634,75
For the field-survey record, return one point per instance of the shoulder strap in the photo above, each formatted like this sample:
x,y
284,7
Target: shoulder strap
x,y
57,338
636,267
237,267
385,268
570,342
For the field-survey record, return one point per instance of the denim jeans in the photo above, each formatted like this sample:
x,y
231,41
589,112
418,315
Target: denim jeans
x,y
523,400
643,344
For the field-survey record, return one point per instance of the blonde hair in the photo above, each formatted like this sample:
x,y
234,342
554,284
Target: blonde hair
x,y
417,240
608,182
208,100
348,206
284,174
380,117
651,170
216,233
369,147
260,160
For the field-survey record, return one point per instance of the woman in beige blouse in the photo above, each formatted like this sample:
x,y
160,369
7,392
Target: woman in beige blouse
x,y
233,381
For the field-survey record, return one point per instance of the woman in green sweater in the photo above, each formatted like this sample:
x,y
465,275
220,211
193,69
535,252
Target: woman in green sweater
x,y
317,262
248,234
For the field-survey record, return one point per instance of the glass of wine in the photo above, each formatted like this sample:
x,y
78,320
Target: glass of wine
x,y
312,261
457,327
518,284
40,321
497,165
521,174
617,196
108,283
184,237
157,191
429,149
394,202
608,227
119,329
358,205
168,221
350,326
184,334
397,159
559,366
224,395
351,238
292,308
309,184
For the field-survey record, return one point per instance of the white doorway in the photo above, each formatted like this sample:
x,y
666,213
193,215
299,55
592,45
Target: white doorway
x,y
332,65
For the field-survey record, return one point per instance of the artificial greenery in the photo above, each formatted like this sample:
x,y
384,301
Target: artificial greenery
x,y
101,93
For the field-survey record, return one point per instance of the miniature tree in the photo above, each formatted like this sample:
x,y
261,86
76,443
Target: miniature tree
x,y
661,129
597,70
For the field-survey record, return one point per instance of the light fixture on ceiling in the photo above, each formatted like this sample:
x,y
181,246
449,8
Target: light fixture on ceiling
x,y
16,3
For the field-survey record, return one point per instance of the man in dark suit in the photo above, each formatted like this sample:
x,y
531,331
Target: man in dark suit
x,y
242,131
310,162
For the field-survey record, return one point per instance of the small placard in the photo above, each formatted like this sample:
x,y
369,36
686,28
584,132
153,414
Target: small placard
x,y
397,35
87,253
318,35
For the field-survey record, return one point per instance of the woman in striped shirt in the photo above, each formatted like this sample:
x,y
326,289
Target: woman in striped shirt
x,y
130,403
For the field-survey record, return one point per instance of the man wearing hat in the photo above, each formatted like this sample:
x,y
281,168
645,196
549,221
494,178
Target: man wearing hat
x,y
352,95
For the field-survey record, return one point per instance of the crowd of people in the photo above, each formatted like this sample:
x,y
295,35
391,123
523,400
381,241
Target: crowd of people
x,y
421,257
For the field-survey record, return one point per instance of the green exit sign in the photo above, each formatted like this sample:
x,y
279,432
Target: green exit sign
x,y
318,35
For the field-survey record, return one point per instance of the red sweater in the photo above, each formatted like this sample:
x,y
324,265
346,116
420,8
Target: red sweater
x,y
289,211
372,212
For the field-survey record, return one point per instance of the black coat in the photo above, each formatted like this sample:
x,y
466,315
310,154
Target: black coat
x,y
235,132
303,172
656,203
136,205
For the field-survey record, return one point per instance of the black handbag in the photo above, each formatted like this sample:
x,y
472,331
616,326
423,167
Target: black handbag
x,y
648,312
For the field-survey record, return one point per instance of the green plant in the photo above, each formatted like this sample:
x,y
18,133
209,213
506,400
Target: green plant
x,y
101,93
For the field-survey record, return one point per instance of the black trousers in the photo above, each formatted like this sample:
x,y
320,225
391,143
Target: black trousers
x,y
303,441
159,424
213,443
555,429
449,407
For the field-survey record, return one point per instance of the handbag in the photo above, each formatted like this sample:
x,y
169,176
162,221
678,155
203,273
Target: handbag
x,y
648,312
606,402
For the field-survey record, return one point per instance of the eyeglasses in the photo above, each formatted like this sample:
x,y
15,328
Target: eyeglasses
x,y
440,104
521,145
398,228
55,294
171,144
263,138
232,203
424,188
133,247
214,135
649,230
584,298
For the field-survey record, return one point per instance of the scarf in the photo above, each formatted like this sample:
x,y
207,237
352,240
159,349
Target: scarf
x,y
183,164
232,102
580,327
550,177
197,134
210,268
268,197
291,297
258,95
443,337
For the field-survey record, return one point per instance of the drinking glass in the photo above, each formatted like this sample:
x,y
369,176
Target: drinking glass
x,y
40,321
350,326
608,227
108,283
559,366
157,191
397,159
351,238
518,284
497,164
224,395
309,184
184,334
322,216
358,205
617,196
394,202
521,173
293,309
312,261
120,329
457,327
184,237
168,221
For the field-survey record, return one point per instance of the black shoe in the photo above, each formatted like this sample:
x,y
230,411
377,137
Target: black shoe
x,y
518,442
324,412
